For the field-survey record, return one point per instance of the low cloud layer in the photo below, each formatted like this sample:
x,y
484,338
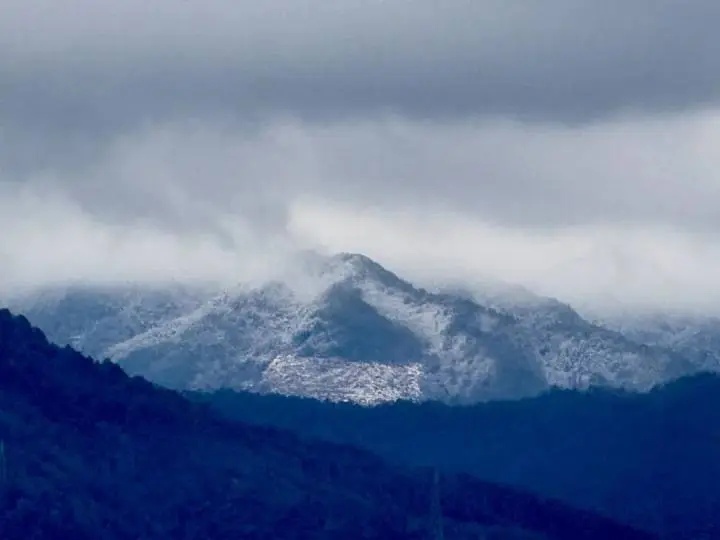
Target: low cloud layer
x,y
625,209
567,146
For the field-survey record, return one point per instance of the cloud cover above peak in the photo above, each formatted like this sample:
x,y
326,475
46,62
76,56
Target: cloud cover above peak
x,y
77,65
513,139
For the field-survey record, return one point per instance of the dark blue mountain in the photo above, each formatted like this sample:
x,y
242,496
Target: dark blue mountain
x,y
87,452
651,460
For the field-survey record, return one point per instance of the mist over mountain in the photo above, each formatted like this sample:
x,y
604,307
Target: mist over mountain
x,y
694,336
344,328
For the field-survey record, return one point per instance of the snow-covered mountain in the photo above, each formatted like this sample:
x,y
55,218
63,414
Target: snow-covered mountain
x,y
693,336
345,328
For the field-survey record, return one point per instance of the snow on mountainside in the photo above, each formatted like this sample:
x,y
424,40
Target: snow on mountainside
x,y
695,337
576,353
344,328
95,319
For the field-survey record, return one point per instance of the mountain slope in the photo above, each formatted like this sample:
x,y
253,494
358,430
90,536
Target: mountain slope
x,y
344,328
577,353
646,459
695,337
93,319
88,452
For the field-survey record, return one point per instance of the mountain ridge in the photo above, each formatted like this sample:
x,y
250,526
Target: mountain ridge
x,y
345,328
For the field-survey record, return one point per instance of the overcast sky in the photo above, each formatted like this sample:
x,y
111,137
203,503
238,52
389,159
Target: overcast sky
x,y
568,145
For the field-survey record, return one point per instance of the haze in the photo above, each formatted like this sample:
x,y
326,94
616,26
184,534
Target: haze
x,y
569,146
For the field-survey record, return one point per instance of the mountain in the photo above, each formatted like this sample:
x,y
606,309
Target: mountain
x,y
93,319
584,353
691,335
649,459
344,328
87,452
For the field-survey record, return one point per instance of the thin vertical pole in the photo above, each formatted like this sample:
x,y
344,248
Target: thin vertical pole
x,y
3,465
437,519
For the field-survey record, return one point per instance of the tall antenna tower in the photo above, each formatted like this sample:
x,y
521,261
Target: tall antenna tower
x,y
438,532
3,465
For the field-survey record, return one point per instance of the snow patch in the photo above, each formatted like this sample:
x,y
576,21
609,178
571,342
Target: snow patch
x,y
335,379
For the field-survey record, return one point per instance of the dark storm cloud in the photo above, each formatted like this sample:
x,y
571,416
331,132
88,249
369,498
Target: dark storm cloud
x,y
74,65
181,139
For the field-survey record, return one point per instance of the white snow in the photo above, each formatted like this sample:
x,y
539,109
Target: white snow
x,y
247,337
340,380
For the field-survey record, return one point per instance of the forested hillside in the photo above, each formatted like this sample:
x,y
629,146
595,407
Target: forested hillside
x,y
648,459
90,453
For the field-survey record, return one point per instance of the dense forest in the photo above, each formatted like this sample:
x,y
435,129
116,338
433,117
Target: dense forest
x,y
652,460
87,452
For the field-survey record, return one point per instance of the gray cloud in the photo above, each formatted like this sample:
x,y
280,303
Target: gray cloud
x,y
74,66
187,174
547,207
165,139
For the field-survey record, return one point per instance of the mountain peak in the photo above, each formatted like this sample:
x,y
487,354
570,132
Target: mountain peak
x,y
358,267
355,258
343,321
359,262
315,274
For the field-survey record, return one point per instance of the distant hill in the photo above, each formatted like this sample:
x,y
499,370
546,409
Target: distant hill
x,y
87,452
652,459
